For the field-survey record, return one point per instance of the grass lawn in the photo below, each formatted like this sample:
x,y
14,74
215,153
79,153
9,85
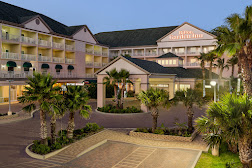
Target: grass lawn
x,y
207,160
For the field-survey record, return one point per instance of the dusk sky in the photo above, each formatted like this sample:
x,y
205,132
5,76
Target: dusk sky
x,y
112,15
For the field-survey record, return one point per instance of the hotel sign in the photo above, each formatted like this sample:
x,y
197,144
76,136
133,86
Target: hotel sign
x,y
186,35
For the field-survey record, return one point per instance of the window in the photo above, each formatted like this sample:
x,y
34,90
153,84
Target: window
x,y
58,71
166,62
10,69
170,62
26,69
159,61
44,71
174,62
163,62
193,60
184,86
69,72
85,29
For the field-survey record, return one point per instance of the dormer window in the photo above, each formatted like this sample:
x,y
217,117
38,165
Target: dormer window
x,y
85,29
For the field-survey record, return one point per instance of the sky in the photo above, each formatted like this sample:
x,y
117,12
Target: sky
x,y
113,15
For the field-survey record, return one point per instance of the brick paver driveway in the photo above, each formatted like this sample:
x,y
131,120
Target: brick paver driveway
x,y
122,155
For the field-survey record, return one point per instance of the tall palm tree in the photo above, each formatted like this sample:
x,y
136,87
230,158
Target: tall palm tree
x,y
235,38
153,98
189,98
232,62
41,91
113,79
123,76
202,58
211,57
221,65
234,116
76,100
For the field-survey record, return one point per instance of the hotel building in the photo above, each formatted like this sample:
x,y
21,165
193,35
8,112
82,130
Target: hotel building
x,y
31,41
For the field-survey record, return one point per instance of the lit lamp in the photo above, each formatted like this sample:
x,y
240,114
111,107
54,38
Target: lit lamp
x,y
213,83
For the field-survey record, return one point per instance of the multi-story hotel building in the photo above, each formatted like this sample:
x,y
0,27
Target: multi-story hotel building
x,y
31,41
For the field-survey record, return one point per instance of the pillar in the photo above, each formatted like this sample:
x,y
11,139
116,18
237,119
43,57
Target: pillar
x,y
144,86
101,91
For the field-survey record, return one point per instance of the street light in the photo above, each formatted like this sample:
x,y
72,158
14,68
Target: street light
x,y
10,112
213,83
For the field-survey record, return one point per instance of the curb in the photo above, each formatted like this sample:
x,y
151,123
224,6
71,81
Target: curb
x,y
197,159
42,157
5,121
119,113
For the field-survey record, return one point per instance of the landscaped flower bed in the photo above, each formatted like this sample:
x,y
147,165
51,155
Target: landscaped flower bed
x,y
163,133
62,140
112,109
5,114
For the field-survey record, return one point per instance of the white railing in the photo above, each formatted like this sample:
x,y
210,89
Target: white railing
x,y
179,53
28,40
138,54
70,61
64,75
69,47
89,75
89,51
97,64
58,45
192,52
13,74
97,53
11,37
104,53
44,43
28,57
44,58
193,64
103,64
58,60
88,63
151,54
7,55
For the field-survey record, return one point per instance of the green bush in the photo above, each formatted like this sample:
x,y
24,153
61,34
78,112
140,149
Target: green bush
x,y
112,109
92,90
40,148
109,91
130,93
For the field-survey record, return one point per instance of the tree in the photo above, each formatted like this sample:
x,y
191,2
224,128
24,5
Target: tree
x,y
232,62
211,57
123,78
189,98
153,98
76,100
40,90
235,38
221,65
113,79
233,114
202,60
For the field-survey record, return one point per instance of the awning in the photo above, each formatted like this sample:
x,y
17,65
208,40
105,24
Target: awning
x,y
70,67
27,65
11,64
58,66
45,66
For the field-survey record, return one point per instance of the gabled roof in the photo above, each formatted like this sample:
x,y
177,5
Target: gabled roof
x,y
170,55
137,37
13,14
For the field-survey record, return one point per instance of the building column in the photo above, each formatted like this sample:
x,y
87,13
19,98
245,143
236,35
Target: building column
x,y
144,87
101,91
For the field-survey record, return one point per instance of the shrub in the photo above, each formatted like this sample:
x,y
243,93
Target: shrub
x,y
40,148
112,109
130,93
92,90
109,91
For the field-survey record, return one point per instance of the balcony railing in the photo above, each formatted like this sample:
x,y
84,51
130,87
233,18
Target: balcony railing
x,y
104,53
193,64
44,43
70,61
89,51
97,53
44,58
193,52
64,75
89,75
88,63
103,64
7,55
58,60
58,45
28,40
13,74
11,37
179,52
151,54
114,54
28,57
97,64
69,47
138,54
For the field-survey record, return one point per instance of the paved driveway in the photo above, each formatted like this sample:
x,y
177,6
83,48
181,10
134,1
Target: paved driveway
x,y
123,155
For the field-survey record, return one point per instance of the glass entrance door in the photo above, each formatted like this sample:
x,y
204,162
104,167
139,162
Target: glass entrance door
x,y
13,93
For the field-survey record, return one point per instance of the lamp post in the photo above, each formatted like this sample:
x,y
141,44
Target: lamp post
x,y
10,112
63,88
213,83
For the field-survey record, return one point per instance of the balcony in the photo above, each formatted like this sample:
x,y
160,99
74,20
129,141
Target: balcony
x,y
138,54
193,52
58,60
7,55
151,54
13,74
89,75
44,58
11,37
70,61
114,54
179,52
89,51
104,54
64,75
97,53
193,64
103,64
28,40
89,63
69,47
97,64
28,57
44,43
58,45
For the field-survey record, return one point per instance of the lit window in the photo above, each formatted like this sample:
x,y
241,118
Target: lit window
x,y
170,62
166,62
184,86
174,62
159,61
163,62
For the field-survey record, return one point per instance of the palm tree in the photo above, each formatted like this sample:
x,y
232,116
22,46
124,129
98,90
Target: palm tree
x,y
41,91
189,98
234,116
202,58
232,62
76,100
123,77
235,39
113,79
221,65
211,57
153,98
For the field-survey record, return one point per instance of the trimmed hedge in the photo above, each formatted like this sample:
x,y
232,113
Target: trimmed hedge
x,y
112,109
